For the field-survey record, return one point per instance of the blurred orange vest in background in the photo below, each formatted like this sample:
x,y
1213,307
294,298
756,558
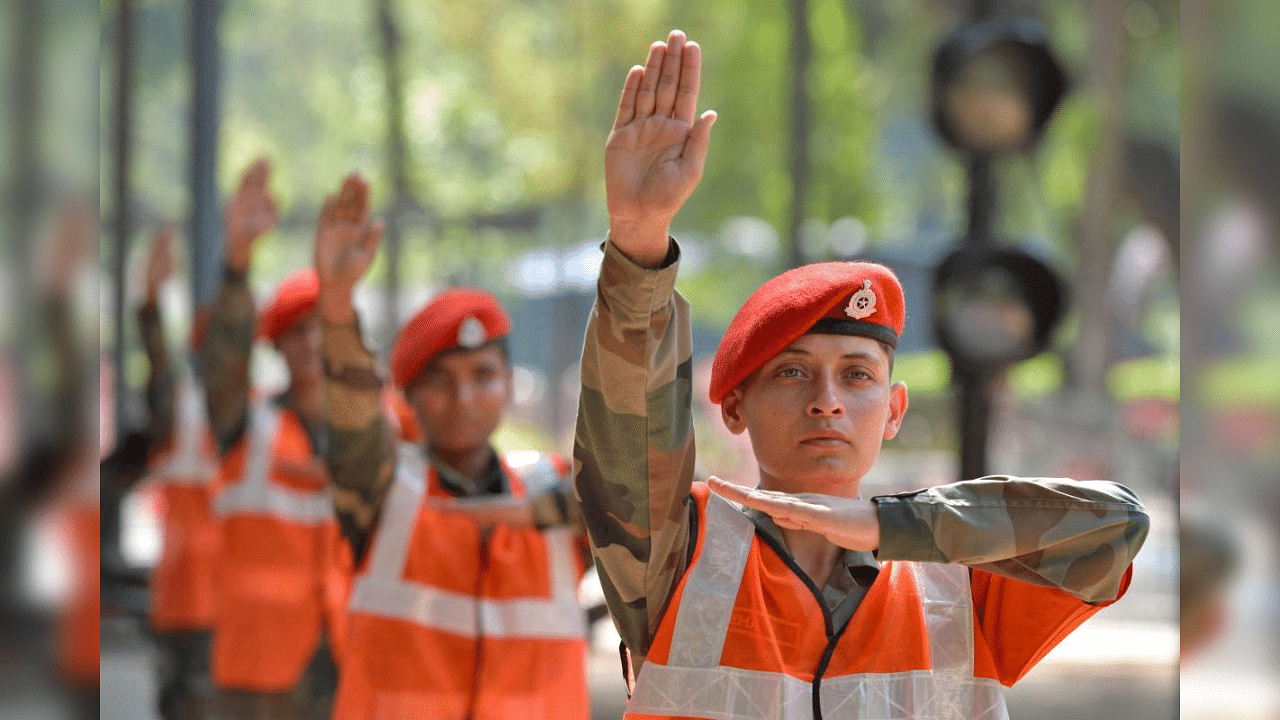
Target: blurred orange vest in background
x,y
182,584
447,620
279,565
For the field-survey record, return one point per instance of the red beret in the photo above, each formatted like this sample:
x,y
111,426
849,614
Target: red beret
x,y
456,318
843,298
295,299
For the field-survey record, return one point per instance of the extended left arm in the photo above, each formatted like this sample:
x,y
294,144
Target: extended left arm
x,y
1079,536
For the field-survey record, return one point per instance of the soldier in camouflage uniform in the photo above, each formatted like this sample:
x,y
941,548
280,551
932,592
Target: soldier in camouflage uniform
x,y
464,603
816,412
226,357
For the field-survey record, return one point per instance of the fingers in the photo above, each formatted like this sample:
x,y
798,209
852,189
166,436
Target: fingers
x,y
647,94
686,98
373,237
353,199
627,105
669,80
698,143
257,174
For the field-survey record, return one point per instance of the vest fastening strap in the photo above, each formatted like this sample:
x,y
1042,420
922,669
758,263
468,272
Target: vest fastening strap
x,y
255,494
383,591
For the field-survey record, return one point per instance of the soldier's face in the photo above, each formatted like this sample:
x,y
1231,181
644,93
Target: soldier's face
x,y
460,397
818,412
300,346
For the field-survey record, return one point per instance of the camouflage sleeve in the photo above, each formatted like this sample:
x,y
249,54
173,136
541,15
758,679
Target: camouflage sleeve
x,y
160,380
1079,536
633,447
53,429
360,447
227,354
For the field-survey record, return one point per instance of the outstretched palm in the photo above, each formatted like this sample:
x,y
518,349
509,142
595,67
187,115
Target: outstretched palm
x,y
250,213
159,261
657,148
847,522
346,242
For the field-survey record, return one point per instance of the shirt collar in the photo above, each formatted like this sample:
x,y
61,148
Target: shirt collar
x,y
853,559
493,481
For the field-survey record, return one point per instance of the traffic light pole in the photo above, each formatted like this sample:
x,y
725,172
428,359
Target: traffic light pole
x,y
973,384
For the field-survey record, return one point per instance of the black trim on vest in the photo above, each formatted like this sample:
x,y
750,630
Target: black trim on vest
x,y
822,669
790,562
833,634
850,326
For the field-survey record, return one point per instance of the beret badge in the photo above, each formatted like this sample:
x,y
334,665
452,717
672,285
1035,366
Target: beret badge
x,y
471,334
863,302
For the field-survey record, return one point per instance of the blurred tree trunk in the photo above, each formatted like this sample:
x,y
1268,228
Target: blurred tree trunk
x,y
397,161
206,225
1096,346
120,180
801,55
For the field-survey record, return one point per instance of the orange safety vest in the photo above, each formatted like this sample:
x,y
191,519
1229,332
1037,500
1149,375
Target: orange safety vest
x,y
448,622
743,637
182,583
277,555
80,636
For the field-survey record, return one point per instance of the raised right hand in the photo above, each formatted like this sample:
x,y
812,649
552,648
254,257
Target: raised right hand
x,y
251,212
346,241
657,149
159,262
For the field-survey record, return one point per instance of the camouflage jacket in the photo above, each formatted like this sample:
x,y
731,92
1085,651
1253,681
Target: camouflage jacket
x,y
52,432
227,353
227,356
160,377
360,446
634,465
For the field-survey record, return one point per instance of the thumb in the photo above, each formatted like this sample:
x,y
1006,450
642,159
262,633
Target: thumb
x,y
699,141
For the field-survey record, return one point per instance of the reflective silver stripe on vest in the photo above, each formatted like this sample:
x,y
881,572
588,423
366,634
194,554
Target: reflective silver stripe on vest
x,y
706,606
188,464
689,685
728,693
383,591
255,494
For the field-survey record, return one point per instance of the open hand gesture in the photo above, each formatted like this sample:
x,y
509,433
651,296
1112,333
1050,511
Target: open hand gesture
x,y
848,522
656,151
346,241
251,212
159,262
74,239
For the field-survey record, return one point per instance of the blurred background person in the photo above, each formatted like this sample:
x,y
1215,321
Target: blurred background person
x,y
272,651
452,614
182,461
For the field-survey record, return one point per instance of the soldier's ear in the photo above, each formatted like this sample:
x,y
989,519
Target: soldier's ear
x,y
731,411
897,409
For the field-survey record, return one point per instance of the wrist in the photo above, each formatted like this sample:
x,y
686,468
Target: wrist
x,y
337,310
646,243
